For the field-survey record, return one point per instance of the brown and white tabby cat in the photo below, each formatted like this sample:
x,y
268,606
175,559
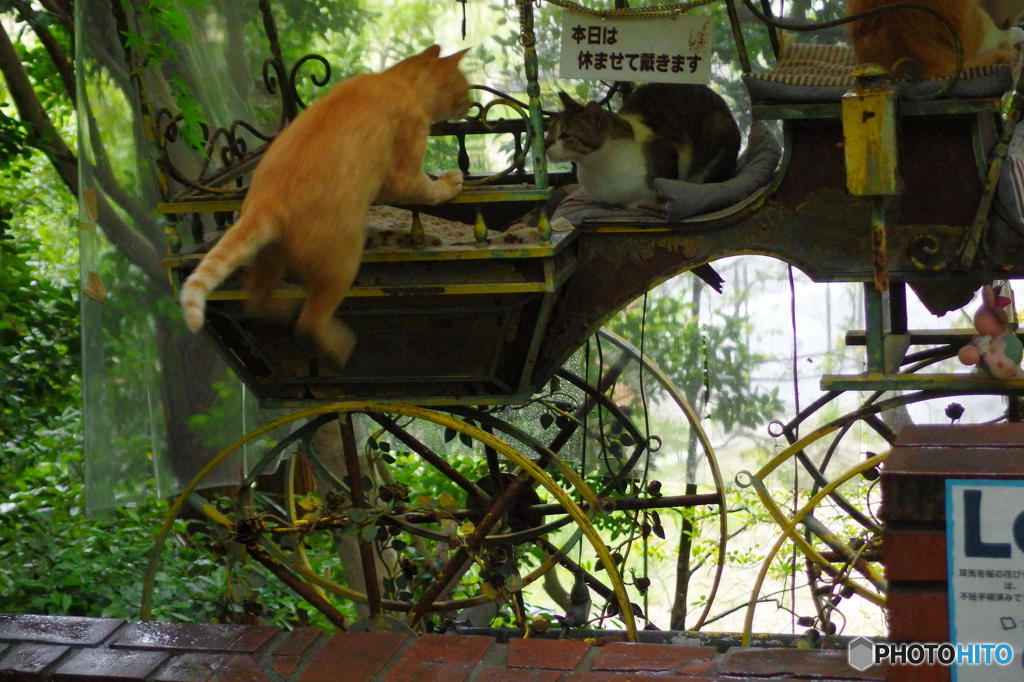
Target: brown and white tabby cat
x,y
675,131
888,37
305,209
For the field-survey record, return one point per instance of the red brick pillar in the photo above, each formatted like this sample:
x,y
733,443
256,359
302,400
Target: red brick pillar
x,y
914,514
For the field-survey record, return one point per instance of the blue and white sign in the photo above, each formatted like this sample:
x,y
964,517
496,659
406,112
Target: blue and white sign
x,y
661,50
985,546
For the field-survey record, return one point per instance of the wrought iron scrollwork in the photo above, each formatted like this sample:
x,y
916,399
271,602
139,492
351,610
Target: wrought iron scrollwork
x,y
321,82
479,114
229,153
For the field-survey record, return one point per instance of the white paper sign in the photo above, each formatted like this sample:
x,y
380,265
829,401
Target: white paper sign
x,y
985,545
660,50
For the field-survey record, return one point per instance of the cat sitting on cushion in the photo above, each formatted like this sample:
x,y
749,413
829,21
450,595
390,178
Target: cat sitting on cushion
x,y
680,132
889,37
306,207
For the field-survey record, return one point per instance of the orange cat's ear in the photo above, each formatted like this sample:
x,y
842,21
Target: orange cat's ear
x,y
454,58
568,102
433,51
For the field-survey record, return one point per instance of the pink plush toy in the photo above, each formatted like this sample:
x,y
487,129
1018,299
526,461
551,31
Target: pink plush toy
x,y
995,350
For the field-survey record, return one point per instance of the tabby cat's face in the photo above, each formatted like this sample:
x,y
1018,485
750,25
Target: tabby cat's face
x,y
576,132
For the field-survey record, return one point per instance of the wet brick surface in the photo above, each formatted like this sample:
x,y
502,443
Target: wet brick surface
x,y
56,648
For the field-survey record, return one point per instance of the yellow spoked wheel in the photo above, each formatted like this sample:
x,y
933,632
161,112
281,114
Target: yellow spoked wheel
x,y
434,512
347,508
840,563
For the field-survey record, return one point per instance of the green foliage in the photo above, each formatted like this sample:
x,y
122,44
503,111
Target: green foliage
x,y
164,27
708,355
13,138
39,341
56,560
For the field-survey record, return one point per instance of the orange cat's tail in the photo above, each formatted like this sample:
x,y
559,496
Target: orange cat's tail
x,y
239,244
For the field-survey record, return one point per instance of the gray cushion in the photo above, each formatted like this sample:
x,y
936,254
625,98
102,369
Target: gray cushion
x,y
682,199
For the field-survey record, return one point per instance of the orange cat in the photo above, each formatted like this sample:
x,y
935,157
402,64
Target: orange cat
x,y
890,36
306,206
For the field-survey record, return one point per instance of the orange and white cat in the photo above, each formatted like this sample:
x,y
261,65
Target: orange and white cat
x,y
305,209
888,37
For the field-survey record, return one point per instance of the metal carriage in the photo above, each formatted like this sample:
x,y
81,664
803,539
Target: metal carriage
x,y
470,329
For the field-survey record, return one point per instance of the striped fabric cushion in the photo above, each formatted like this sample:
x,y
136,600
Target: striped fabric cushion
x,y
820,73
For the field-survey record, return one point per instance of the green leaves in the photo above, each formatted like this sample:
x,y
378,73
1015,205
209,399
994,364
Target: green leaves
x,y
702,353
188,107
39,340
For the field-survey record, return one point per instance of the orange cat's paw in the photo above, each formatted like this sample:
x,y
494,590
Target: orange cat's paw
x,y
452,182
338,341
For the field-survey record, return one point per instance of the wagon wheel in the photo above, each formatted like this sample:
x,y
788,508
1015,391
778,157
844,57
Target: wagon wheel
x,y
613,429
837,568
379,513
347,507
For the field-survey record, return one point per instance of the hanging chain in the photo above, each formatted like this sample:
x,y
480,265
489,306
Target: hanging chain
x,y
632,12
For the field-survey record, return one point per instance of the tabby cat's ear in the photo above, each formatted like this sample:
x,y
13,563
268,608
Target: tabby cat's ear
x,y
593,107
568,102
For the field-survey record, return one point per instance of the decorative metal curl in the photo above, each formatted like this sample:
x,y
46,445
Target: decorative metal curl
x,y
481,118
223,144
230,146
291,102
926,253
271,81
229,153
319,82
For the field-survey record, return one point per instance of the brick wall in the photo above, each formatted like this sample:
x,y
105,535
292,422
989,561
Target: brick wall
x,y
70,648
914,514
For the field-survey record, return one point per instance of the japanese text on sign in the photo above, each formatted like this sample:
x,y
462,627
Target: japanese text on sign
x,y
985,546
652,50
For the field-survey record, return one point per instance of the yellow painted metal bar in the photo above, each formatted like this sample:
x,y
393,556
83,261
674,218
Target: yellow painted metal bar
x,y
392,605
559,241
402,290
801,542
212,512
869,141
214,206
879,243
543,225
416,234
709,452
165,528
471,195
527,465
480,228
498,193
789,533
293,516
773,509
775,462
903,382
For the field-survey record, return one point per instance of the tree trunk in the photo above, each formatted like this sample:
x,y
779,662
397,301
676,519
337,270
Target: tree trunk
x,y
679,602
